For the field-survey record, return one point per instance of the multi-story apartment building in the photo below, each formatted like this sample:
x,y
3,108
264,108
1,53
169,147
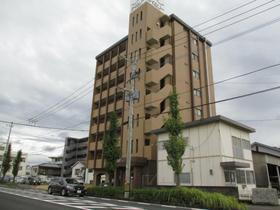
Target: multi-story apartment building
x,y
74,150
170,55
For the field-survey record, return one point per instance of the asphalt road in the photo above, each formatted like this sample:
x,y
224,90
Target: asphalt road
x,y
11,202
18,199
28,199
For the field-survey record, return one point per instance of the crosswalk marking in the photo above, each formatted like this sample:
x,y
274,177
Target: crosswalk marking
x,y
67,201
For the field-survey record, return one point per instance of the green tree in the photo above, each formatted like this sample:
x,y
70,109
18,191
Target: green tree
x,y
16,164
6,164
176,145
110,145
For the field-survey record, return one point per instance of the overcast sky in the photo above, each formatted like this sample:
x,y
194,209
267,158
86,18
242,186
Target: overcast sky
x,y
47,50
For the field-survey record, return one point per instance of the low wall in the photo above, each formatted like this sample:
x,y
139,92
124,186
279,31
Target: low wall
x,y
265,196
229,191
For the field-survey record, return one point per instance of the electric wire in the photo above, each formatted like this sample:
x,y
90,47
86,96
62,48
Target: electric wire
x,y
241,20
224,13
39,126
233,17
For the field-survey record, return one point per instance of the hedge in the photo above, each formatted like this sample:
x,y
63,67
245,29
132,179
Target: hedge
x,y
186,197
105,192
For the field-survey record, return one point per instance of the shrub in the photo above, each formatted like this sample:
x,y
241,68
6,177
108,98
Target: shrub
x,y
188,197
108,192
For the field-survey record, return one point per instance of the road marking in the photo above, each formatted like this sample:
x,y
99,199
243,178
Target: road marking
x,y
169,206
122,201
86,205
143,203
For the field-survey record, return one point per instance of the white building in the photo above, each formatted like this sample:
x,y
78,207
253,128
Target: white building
x,y
78,171
22,166
218,157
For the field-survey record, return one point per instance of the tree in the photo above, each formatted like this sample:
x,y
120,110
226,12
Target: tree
x,y
110,145
176,145
16,164
6,164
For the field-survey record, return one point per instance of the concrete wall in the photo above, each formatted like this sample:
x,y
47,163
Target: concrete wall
x,y
208,146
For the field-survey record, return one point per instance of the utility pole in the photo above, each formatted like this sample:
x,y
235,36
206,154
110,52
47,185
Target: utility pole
x,y
7,145
131,95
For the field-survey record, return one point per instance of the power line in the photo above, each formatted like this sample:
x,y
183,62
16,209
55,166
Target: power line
x,y
38,126
219,101
62,100
233,17
248,31
77,98
243,19
225,13
218,82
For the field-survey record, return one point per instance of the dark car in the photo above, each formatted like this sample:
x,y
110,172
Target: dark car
x,y
66,186
34,181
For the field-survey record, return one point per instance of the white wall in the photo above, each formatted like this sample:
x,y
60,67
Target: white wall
x,y
209,145
80,167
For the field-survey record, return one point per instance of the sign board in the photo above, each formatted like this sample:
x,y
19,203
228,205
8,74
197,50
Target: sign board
x,y
159,4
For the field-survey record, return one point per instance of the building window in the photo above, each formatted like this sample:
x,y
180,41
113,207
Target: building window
x,y
133,21
162,62
162,83
197,92
246,144
240,177
20,168
132,38
140,52
140,34
137,17
136,36
198,112
162,106
141,15
194,57
136,145
77,172
195,42
132,146
237,148
230,177
185,178
250,177
147,142
196,74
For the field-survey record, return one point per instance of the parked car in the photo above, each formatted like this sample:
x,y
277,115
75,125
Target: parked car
x,y
21,180
34,181
66,186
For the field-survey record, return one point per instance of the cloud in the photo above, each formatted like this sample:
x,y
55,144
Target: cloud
x,y
47,50
49,148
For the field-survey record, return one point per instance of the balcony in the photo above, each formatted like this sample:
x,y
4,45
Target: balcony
x,y
94,128
153,100
90,164
155,122
154,76
92,146
98,163
154,55
153,36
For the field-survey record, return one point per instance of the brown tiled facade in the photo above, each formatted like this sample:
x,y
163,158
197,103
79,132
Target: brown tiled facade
x,y
170,54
